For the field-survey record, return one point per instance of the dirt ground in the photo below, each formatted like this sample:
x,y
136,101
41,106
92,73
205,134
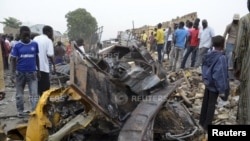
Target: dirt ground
x,y
8,112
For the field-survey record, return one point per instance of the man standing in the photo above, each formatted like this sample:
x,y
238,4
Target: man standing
x,y
2,83
144,39
169,41
59,53
165,41
24,57
193,45
80,44
241,55
159,41
151,41
46,52
172,50
205,37
230,34
6,51
180,37
215,78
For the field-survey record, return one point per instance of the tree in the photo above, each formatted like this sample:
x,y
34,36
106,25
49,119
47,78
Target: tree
x,y
80,24
12,22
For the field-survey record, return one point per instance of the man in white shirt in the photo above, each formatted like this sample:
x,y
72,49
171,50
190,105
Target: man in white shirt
x,y
205,44
169,41
166,35
80,44
46,54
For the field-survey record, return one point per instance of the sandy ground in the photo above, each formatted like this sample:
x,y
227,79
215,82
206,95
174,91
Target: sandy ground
x,y
8,112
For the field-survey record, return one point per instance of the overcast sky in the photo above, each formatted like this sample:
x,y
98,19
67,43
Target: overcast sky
x,y
117,15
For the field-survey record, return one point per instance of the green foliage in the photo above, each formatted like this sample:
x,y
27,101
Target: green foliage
x,y
80,24
12,22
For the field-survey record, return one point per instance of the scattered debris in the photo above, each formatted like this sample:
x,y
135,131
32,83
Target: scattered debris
x,y
122,94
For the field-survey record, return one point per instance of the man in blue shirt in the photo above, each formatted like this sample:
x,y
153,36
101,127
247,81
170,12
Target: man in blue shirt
x,y
24,57
180,37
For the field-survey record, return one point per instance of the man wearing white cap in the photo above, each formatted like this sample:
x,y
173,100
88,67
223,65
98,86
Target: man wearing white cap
x,y
230,35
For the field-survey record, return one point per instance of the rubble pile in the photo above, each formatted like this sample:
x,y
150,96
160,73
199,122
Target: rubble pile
x,y
191,94
125,94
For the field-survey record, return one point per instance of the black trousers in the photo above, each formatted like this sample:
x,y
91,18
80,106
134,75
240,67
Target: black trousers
x,y
208,108
168,47
190,49
6,62
43,83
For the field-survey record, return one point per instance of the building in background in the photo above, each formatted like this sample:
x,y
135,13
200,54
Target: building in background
x,y
149,28
38,29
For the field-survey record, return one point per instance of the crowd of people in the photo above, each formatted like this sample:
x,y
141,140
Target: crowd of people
x,y
221,59
31,59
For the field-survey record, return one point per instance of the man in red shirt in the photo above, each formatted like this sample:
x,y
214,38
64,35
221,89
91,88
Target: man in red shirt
x,y
193,46
2,83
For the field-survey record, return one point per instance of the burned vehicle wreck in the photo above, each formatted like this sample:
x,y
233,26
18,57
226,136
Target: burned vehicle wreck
x,y
120,95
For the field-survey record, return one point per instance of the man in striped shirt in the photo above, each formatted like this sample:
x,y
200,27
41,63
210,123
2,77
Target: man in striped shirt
x,y
230,34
